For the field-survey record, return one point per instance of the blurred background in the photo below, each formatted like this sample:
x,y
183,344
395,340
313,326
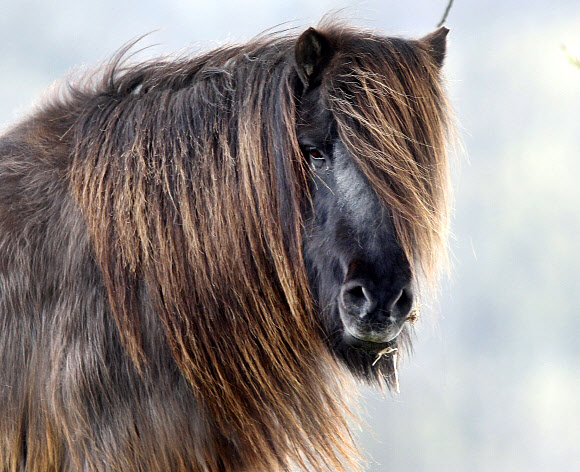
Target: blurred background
x,y
494,384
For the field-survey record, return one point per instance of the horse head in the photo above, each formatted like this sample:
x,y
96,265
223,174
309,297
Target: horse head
x,y
361,276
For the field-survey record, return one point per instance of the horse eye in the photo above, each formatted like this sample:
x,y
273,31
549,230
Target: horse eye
x,y
317,158
315,153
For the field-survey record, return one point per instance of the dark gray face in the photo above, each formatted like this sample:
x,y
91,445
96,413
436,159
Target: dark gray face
x,y
358,272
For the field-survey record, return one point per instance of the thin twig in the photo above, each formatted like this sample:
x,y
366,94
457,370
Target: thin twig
x,y
449,5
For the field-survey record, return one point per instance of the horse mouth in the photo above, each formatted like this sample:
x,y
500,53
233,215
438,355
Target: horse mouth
x,y
371,338
367,343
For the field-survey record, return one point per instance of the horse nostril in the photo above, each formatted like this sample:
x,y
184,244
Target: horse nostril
x,y
400,305
356,292
357,299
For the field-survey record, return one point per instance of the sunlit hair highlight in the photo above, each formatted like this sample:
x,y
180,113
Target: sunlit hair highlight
x,y
392,115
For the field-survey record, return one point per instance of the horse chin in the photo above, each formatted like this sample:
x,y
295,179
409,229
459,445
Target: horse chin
x,y
365,345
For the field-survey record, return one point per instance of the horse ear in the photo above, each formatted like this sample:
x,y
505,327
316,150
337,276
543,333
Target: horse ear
x,y
437,44
312,53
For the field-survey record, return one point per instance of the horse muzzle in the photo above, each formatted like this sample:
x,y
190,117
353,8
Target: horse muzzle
x,y
373,316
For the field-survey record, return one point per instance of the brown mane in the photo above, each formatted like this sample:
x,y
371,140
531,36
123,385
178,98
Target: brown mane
x,y
191,184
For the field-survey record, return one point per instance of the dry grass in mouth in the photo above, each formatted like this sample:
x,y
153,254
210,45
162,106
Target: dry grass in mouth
x,y
394,353
388,350
413,317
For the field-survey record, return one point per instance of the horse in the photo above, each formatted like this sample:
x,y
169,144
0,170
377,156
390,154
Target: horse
x,y
200,255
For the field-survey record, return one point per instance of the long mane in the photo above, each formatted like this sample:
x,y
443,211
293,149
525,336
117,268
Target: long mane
x,y
190,179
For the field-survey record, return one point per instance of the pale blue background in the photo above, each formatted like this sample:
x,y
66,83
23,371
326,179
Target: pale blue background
x,y
494,384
